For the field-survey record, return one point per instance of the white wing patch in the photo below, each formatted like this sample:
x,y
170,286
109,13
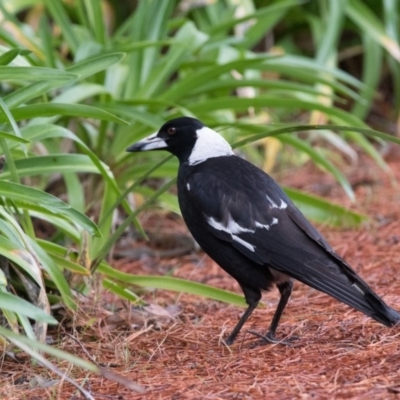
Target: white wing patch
x,y
273,204
188,187
243,243
209,144
232,227
263,226
282,206
266,226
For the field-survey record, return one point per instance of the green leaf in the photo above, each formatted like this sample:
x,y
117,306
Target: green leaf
x,y
331,28
264,101
93,65
32,91
62,19
50,109
55,163
22,194
8,56
360,140
192,81
325,212
43,131
363,16
174,284
188,39
121,291
55,274
10,136
14,251
62,256
319,159
23,307
34,74
103,251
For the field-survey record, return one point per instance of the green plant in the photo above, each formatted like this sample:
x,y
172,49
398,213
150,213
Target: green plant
x,y
76,90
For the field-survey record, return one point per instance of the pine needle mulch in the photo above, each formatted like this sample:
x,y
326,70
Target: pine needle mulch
x,y
174,347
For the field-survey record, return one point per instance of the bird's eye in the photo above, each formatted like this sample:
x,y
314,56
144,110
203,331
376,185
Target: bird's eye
x,y
171,131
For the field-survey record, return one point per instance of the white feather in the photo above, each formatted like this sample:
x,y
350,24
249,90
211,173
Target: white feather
x,y
282,206
209,144
262,226
273,204
232,227
243,243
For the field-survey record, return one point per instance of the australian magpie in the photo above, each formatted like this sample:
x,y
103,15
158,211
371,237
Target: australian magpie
x,y
246,223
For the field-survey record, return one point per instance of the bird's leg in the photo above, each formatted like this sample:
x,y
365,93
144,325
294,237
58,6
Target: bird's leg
x,y
252,299
231,338
285,290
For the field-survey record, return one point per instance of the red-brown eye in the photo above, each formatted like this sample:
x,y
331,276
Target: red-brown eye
x,y
171,131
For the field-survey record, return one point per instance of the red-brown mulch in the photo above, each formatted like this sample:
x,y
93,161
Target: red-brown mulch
x,y
341,354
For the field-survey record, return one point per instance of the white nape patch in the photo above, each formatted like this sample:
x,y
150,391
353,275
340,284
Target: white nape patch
x,y
358,288
282,206
188,187
209,144
232,228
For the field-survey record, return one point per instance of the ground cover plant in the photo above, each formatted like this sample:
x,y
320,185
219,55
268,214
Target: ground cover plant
x,y
82,80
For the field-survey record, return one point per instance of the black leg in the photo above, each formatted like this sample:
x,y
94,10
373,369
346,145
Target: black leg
x,y
252,299
285,290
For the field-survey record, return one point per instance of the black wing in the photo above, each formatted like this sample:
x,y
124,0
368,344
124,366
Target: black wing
x,y
253,214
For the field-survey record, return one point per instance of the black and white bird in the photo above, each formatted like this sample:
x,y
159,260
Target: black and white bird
x,y
246,223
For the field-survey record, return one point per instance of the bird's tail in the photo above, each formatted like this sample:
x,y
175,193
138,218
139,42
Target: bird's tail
x,y
353,291
339,280
323,269
380,311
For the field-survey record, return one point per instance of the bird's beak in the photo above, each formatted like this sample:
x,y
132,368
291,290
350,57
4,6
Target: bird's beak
x,y
152,142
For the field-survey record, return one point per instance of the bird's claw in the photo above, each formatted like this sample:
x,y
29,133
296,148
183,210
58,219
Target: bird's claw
x,y
228,341
270,338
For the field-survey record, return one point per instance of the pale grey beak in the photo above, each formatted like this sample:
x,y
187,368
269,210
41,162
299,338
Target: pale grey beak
x,y
151,142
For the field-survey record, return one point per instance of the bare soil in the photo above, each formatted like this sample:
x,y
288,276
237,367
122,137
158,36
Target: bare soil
x,y
174,349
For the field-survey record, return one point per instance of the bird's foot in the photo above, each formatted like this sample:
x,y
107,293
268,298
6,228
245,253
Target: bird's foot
x,y
229,340
270,338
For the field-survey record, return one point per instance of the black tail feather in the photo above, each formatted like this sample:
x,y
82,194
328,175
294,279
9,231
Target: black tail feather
x,y
350,289
381,312
364,300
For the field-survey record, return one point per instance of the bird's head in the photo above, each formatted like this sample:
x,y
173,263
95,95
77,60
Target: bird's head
x,y
188,139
